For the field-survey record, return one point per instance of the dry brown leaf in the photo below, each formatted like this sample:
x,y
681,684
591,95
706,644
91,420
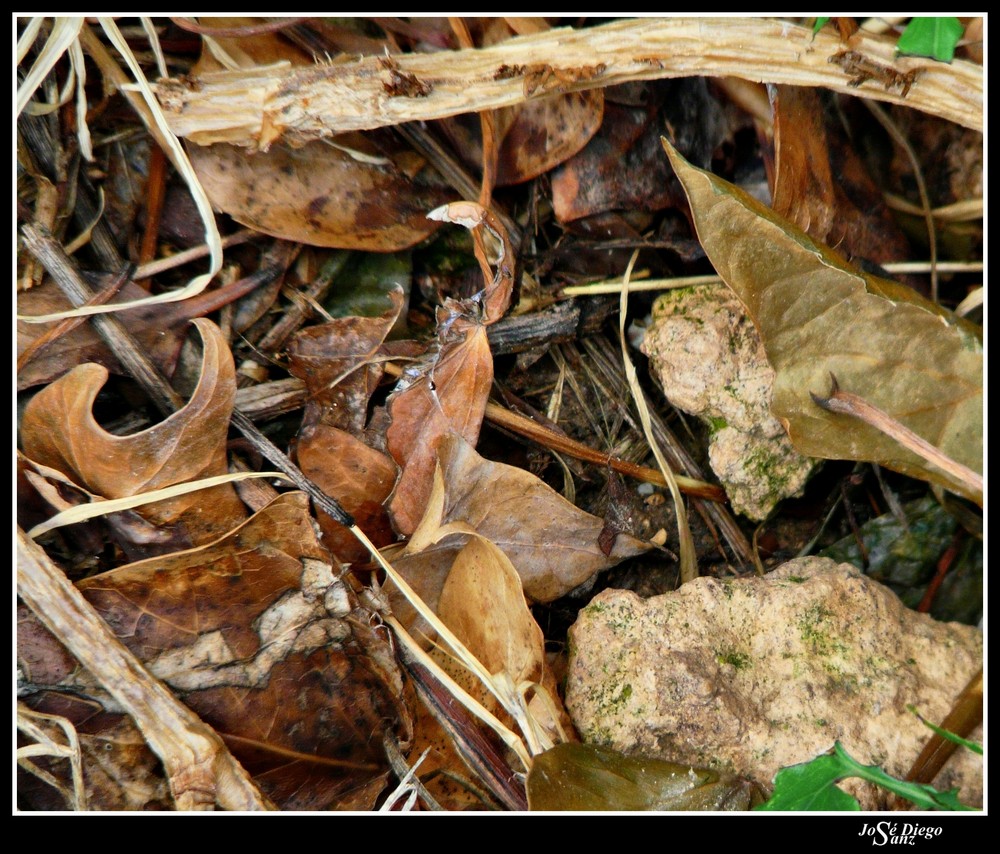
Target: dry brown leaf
x,y
357,192
59,430
552,544
817,315
449,391
449,395
260,639
483,604
82,343
336,360
533,137
322,194
359,477
821,184
120,771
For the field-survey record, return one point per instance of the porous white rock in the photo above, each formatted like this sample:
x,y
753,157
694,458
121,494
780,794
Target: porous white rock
x,y
752,675
710,362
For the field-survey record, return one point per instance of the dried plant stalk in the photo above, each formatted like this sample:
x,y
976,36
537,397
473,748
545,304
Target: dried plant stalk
x,y
255,107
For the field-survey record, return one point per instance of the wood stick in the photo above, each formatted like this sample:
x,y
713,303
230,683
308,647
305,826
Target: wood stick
x,y
200,769
258,106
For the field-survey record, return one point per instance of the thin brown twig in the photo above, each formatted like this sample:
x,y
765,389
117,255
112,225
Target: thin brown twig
x,y
900,139
847,403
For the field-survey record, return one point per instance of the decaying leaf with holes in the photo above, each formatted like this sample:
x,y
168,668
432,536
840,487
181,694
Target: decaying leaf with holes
x,y
258,636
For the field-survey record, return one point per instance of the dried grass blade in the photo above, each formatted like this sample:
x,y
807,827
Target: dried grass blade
x,y
689,565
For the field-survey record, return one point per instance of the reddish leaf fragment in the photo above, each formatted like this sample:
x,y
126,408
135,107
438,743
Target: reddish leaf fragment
x,y
621,168
449,394
821,184
536,136
359,477
336,361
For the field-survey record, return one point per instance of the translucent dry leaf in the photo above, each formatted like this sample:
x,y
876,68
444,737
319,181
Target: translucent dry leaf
x,y
817,315
59,430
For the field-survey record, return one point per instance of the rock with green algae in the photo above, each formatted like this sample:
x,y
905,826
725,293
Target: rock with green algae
x,y
711,363
751,675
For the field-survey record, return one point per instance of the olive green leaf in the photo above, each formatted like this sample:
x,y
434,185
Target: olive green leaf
x,y
588,777
818,315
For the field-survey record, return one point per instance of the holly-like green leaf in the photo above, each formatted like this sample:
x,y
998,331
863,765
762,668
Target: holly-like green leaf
x,y
820,23
811,787
933,37
818,315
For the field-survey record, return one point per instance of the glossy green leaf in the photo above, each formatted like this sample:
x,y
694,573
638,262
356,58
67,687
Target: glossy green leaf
x,y
820,23
932,37
811,787
818,315
587,777
905,558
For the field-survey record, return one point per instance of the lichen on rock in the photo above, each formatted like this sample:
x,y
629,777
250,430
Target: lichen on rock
x,y
752,675
710,362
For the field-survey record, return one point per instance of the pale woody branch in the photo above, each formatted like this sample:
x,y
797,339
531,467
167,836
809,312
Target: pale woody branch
x,y
258,106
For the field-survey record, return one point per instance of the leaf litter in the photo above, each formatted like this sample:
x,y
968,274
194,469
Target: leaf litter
x,y
490,544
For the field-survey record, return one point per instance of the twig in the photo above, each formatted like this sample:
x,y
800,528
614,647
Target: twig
x,y
851,404
200,769
896,267
524,426
256,107
965,716
897,135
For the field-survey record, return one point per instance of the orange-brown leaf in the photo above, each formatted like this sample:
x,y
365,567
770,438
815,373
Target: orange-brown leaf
x,y
449,395
59,430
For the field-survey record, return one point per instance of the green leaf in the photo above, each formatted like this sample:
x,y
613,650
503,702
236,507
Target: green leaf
x,y
818,315
948,736
811,786
587,777
819,24
932,37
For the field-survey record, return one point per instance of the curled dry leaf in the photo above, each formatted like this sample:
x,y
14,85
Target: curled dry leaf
x,y
483,603
256,634
59,430
817,315
551,543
